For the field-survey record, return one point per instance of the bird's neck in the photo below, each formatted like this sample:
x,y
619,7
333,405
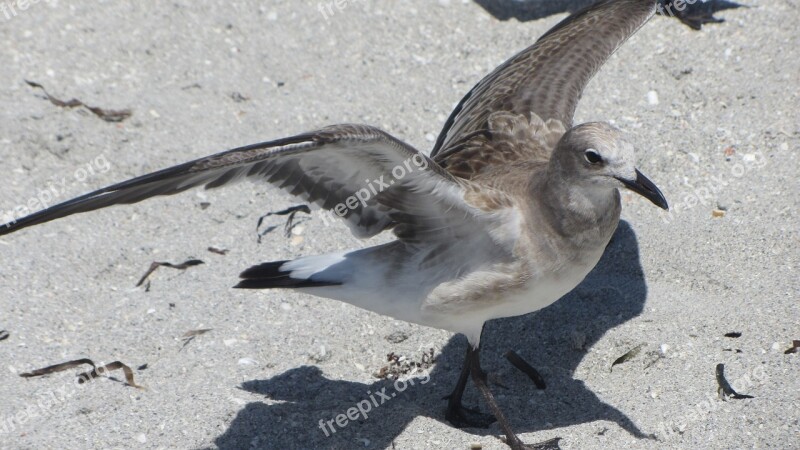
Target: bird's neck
x,y
578,211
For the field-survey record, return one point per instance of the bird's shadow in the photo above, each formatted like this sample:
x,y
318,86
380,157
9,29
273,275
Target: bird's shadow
x,y
530,9
613,293
694,15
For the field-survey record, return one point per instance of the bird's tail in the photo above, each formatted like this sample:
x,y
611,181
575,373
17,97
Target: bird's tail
x,y
370,278
299,273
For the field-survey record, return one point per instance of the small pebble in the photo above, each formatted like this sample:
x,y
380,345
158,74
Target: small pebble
x,y
397,337
652,97
320,355
653,394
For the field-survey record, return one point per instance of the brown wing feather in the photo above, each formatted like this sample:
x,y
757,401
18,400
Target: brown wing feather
x,y
511,138
546,79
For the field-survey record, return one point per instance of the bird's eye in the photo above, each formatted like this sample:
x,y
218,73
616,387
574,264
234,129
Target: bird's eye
x,y
592,156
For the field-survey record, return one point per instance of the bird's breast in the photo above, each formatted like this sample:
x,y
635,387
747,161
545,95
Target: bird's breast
x,y
543,288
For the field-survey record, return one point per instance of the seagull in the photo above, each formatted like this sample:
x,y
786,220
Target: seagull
x,y
511,210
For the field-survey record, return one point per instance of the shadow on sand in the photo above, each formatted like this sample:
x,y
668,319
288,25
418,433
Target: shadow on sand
x,y
613,293
530,9
694,14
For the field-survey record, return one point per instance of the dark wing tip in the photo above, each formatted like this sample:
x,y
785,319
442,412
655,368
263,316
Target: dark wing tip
x,y
269,275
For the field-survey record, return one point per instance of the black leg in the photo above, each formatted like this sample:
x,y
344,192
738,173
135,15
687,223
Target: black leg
x,y
479,378
459,415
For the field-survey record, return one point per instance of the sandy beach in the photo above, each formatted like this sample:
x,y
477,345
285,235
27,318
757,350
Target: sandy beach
x,y
715,117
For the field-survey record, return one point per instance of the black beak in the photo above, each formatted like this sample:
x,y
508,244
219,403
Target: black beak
x,y
644,187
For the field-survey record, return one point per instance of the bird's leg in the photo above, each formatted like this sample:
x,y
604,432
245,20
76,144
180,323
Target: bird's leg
x,y
459,415
479,378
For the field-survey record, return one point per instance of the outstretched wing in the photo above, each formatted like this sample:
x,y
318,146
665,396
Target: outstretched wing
x,y
360,173
547,78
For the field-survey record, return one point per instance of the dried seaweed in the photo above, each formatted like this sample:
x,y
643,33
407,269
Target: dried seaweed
x,y
400,365
85,376
109,115
191,334
155,265
627,356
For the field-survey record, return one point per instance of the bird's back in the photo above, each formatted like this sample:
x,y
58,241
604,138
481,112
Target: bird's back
x,y
511,146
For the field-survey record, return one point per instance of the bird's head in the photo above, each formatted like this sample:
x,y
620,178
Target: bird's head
x,y
597,154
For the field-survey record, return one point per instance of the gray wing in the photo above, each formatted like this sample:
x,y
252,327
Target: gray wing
x,y
335,168
547,78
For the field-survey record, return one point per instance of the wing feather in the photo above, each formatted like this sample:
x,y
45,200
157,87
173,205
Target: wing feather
x,y
547,78
328,167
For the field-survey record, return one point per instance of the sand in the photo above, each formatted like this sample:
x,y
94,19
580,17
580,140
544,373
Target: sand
x,y
714,115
